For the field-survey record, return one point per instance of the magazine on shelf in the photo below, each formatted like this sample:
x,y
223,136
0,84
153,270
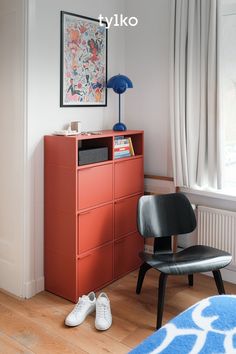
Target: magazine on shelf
x,y
123,147
131,147
122,154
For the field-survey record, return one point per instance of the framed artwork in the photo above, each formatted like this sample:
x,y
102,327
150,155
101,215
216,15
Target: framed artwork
x,y
83,61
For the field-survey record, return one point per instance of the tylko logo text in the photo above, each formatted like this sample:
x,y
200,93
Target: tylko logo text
x,y
118,21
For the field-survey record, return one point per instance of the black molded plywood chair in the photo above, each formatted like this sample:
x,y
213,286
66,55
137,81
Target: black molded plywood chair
x,y
162,217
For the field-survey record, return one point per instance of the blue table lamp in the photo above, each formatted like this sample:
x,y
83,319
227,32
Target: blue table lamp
x,y
119,83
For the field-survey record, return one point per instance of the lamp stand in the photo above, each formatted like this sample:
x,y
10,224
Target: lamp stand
x,y
119,126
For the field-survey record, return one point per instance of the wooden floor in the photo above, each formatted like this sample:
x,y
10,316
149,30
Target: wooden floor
x,y
37,325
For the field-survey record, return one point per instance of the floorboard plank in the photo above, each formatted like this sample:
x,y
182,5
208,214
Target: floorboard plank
x,y
33,336
11,346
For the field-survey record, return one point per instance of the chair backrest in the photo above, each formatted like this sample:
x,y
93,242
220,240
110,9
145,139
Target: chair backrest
x,y
165,215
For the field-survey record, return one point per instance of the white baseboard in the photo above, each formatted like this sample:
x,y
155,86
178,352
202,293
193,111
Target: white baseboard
x,y
40,285
227,275
34,287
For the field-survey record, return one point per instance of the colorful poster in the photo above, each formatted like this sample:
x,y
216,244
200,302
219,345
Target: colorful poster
x,y
83,61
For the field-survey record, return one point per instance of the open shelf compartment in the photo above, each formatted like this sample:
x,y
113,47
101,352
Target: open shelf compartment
x,y
136,141
94,150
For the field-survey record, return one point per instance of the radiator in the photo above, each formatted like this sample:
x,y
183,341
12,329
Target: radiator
x,y
217,228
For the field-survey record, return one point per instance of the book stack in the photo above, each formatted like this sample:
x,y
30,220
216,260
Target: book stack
x,y
123,147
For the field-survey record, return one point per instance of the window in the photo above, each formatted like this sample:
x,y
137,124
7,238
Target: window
x,y
228,93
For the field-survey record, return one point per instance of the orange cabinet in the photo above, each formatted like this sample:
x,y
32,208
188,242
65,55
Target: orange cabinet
x,y
91,236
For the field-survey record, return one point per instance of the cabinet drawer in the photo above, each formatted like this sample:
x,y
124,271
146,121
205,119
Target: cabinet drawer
x,y
128,177
95,227
127,254
94,186
94,270
126,216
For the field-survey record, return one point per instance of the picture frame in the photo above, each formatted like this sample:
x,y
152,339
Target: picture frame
x,y
83,66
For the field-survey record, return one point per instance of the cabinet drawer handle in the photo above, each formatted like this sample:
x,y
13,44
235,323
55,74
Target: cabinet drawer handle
x,y
85,212
119,162
92,167
85,256
89,168
120,201
120,241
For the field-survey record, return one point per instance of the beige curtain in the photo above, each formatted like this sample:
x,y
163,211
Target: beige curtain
x,y
194,84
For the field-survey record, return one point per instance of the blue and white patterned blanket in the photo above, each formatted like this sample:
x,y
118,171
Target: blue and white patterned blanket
x,y
205,328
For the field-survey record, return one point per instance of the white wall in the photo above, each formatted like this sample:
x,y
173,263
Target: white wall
x,y
144,49
12,145
44,113
141,52
147,64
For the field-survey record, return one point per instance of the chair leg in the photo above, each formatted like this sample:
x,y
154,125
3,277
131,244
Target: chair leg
x,y
219,281
142,271
190,279
161,296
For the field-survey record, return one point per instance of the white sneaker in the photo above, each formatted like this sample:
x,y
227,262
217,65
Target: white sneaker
x,y
85,306
103,319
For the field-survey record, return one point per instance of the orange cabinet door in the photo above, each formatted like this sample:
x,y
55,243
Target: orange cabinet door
x,y
94,186
127,254
95,227
95,269
128,177
126,216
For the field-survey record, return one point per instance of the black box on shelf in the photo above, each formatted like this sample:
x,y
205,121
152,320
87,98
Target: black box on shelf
x,y
92,155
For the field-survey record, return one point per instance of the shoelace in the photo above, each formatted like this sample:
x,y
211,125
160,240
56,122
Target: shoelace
x,y
80,304
102,311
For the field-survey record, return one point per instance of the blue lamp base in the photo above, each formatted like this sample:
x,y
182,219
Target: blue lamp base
x,y
119,127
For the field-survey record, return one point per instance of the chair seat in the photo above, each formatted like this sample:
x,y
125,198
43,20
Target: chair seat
x,y
191,260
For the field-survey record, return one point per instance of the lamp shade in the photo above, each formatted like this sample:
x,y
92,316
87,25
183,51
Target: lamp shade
x,y
119,83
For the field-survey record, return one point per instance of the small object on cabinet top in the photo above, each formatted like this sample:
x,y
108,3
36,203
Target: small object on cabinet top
x,y
65,132
92,133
